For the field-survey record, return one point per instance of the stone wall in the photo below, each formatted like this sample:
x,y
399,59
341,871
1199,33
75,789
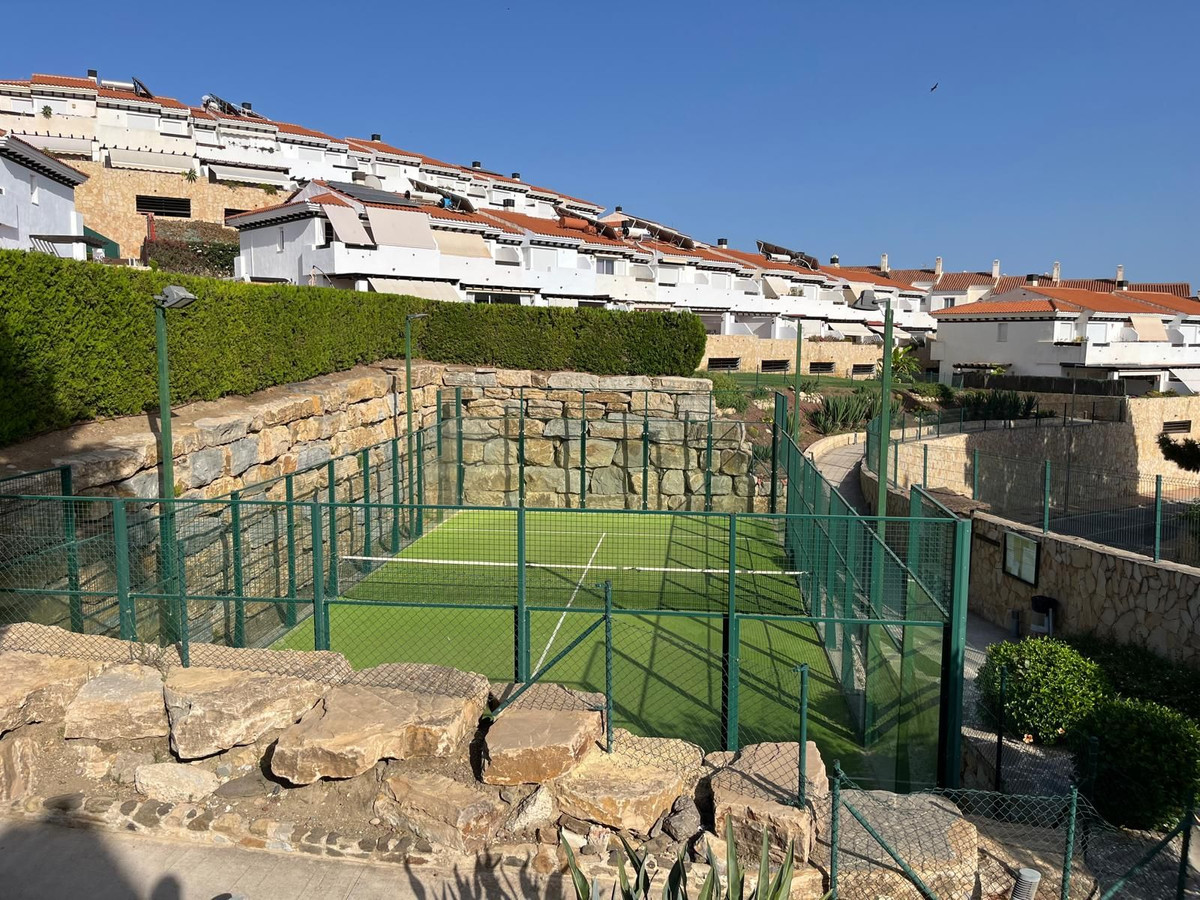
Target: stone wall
x,y
108,200
753,350
1145,417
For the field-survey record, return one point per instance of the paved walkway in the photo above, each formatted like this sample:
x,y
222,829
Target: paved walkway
x,y
39,861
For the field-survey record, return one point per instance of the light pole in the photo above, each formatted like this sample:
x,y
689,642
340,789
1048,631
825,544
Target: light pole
x,y
172,297
408,410
796,399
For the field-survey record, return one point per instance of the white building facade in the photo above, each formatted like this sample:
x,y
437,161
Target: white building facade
x,y
37,201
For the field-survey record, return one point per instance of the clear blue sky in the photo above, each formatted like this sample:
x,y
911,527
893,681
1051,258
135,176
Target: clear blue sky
x,y
1060,130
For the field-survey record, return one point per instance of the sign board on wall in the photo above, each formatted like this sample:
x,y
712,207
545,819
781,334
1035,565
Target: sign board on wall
x,y
1021,556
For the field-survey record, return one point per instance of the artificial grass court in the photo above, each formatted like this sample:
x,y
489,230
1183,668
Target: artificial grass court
x,y
449,597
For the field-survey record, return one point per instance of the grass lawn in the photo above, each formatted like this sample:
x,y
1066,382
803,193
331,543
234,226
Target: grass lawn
x,y
670,581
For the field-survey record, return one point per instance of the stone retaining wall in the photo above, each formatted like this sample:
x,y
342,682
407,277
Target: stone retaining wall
x,y
844,355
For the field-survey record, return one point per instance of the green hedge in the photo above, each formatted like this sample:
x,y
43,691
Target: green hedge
x,y
1142,674
77,339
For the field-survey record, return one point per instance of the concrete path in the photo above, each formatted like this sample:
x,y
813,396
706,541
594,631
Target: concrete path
x,y
39,861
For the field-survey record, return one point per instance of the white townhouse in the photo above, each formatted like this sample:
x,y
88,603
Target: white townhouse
x,y
1151,338
37,201
873,292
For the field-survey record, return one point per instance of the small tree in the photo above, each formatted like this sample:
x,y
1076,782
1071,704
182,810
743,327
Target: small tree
x,y
905,365
1184,453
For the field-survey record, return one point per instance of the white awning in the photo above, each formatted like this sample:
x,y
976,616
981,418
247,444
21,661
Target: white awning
x,y
54,143
458,243
1189,377
899,335
248,175
509,256
854,330
400,228
150,161
346,225
775,288
429,290
641,272
1148,327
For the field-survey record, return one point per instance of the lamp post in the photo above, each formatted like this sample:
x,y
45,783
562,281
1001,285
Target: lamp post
x,y
172,297
408,409
796,398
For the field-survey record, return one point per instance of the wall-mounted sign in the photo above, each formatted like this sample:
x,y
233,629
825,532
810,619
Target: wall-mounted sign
x,y
1021,556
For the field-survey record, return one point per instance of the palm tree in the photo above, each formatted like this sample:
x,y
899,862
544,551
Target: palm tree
x,y
905,365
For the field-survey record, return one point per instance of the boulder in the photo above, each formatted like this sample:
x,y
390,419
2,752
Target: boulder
x,y
534,812
175,782
426,678
531,746
441,810
573,381
211,710
759,790
355,726
18,752
121,703
35,687
608,480
683,822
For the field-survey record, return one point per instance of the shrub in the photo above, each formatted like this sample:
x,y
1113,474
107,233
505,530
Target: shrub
x,y
845,412
934,390
1051,688
727,392
77,339
1148,761
1143,675
997,404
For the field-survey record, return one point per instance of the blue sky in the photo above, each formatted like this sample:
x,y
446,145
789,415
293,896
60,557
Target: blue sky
x,y
1059,131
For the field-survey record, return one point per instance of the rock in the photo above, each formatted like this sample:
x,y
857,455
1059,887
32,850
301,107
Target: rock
x,y
122,703
531,746
441,810
126,763
94,763
355,726
17,755
573,381
683,822
546,695
35,687
534,812
211,710
424,678
175,782
758,790
255,784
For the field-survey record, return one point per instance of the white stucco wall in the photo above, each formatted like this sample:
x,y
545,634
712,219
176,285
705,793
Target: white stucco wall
x,y
52,213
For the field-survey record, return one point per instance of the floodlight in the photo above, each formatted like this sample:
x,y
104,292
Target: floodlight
x,y
175,297
412,316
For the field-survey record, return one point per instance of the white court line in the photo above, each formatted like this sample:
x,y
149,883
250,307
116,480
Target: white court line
x,y
563,616
435,561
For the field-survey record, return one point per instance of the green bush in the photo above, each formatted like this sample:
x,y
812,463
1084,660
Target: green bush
x,y
1050,687
1143,675
1148,761
934,390
846,412
727,391
77,339
997,404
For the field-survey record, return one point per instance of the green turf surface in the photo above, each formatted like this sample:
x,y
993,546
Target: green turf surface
x,y
667,669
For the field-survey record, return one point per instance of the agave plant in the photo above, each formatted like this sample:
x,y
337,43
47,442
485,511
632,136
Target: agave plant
x,y
676,888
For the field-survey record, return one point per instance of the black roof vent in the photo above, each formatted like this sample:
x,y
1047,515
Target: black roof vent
x,y
834,260
620,209
509,202
722,242
247,105
376,136
93,74
476,164
516,176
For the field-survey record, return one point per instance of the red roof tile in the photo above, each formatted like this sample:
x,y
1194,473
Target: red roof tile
x,y
1187,306
327,199
1175,288
62,81
851,273
289,128
1002,307
960,281
551,227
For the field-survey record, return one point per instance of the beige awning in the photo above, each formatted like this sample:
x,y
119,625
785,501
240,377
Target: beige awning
x,y
429,290
1148,327
150,161
899,335
775,288
458,243
56,143
400,228
508,256
346,225
247,175
853,329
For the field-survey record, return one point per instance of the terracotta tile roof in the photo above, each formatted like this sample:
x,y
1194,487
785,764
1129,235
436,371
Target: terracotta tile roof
x,y
1176,288
1096,301
1167,301
1003,307
452,215
289,128
910,276
552,227
755,260
960,281
62,81
327,199
1006,283
263,209
380,147
852,273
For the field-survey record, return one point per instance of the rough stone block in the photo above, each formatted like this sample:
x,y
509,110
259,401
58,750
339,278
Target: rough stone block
x,y
122,703
441,810
175,782
735,462
491,478
531,746
609,480
35,687
599,453
573,381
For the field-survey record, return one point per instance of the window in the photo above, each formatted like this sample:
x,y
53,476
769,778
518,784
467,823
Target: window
x,y
949,303
1021,557
327,236
230,211
35,192
606,267
776,365
820,368
1179,426
859,369
279,240
176,207
509,299
724,363
1001,332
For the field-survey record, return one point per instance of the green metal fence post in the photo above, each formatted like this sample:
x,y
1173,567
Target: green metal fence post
x,y
395,495
731,646
925,467
74,600
364,463
954,643
708,454
239,589
460,471
438,422
1189,820
608,668
521,624
775,430
802,776
1046,498
126,615
796,376
1158,509
583,430
646,449
998,767
420,522
835,816
1069,850
320,610
289,613
975,474
521,447
333,529
181,611
895,466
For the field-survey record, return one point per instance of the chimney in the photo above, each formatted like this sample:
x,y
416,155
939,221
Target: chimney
x,y
722,242
937,268
834,261
247,106
1121,283
995,268
1031,280
620,209
93,74
883,263
476,164
516,176
1056,277
376,136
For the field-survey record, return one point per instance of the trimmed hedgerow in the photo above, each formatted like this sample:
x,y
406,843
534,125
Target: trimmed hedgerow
x,y
1050,687
1148,761
77,339
1142,674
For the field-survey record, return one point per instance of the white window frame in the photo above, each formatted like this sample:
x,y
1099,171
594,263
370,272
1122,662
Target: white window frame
x,y
606,265
280,242
35,189
1001,332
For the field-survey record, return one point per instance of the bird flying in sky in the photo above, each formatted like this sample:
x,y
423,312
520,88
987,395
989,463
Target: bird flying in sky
x,y
934,88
